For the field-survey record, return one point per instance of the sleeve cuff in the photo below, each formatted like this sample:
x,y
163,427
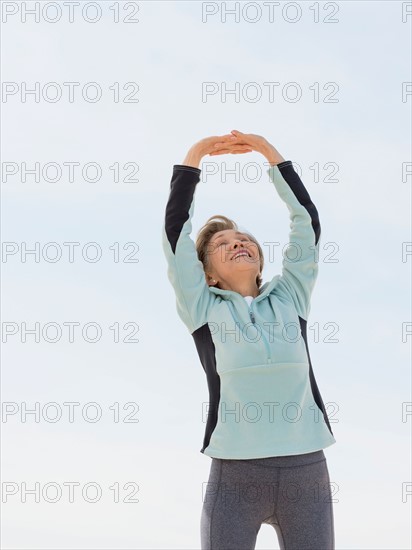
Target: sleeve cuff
x,y
284,163
185,167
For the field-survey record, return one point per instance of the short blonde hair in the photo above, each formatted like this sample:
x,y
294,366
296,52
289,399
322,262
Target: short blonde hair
x,y
212,226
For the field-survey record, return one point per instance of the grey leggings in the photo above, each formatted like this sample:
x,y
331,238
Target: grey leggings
x,y
291,493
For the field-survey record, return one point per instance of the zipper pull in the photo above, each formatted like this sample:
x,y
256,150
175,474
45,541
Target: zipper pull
x,y
252,317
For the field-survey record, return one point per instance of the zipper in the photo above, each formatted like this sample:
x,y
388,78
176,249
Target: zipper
x,y
253,319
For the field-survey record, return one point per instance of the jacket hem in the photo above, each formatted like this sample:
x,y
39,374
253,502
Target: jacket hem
x,y
266,454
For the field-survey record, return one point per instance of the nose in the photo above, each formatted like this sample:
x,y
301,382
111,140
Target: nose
x,y
237,244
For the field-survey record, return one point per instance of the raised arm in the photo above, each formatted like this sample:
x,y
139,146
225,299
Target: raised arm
x,y
185,271
299,266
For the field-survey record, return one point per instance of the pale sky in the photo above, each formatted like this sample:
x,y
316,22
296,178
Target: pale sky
x,y
350,63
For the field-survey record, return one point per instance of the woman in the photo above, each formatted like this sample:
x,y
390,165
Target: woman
x,y
267,425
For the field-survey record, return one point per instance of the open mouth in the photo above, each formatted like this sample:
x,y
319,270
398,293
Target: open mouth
x,y
241,253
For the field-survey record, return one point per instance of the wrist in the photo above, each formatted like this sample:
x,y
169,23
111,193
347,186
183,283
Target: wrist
x,y
193,157
272,155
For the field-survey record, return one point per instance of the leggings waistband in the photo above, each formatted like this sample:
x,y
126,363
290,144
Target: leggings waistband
x,y
287,461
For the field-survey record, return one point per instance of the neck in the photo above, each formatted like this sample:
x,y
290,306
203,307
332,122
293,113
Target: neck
x,y
245,288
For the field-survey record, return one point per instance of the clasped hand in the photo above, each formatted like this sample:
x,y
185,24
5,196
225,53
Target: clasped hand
x,y
234,143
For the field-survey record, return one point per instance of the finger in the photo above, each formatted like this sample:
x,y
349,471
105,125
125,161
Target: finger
x,y
220,152
240,147
227,139
226,143
240,140
232,150
229,153
232,147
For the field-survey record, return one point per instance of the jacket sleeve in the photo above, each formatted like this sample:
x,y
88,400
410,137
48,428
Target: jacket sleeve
x,y
185,270
300,260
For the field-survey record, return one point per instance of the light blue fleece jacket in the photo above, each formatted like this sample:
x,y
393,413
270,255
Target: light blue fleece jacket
x,y
263,397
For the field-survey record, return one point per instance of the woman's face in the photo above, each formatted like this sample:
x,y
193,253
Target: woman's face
x,y
232,254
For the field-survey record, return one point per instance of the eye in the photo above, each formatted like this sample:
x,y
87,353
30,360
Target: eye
x,y
246,239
